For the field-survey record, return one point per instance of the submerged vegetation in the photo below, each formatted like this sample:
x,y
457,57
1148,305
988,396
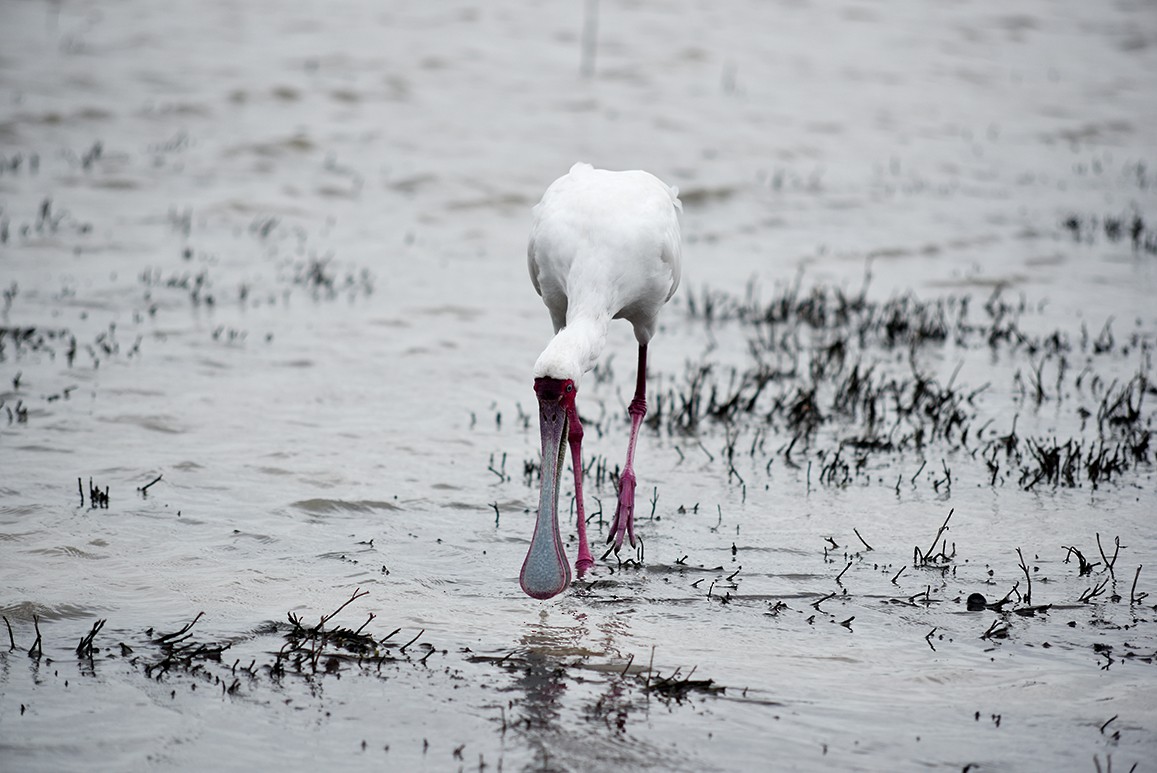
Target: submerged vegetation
x,y
843,380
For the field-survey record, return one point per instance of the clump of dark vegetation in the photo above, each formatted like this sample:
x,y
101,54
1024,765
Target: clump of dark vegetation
x,y
308,650
322,280
678,687
50,220
97,498
1115,228
178,651
17,343
838,379
19,163
311,649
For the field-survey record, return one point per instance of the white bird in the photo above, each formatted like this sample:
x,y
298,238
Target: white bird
x,y
604,245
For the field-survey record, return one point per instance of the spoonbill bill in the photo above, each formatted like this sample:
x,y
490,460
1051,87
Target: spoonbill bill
x,y
603,245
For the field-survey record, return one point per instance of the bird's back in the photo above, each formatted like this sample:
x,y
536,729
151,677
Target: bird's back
x,y
606,243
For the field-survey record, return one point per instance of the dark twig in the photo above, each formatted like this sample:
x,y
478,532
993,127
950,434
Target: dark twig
x,y
866,545
1027,577
357,594
923,558
999,605
1108,563
841,574
85,648
1084,567
35,651
12,639
145,488
402,649
1133,597
362,627
1091,593
998,630
183,630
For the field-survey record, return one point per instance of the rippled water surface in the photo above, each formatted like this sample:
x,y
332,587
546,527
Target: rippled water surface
x,y
273,255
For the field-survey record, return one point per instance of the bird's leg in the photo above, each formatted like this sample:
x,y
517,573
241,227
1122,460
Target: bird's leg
x,y
575,437
624,524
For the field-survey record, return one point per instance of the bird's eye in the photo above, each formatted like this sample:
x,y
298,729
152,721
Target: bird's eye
x,y
569,388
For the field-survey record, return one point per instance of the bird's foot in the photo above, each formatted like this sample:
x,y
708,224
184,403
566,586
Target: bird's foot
x,y
584,563
624,525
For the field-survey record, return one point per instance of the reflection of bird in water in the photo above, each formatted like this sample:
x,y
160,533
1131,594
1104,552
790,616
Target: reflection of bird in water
x,y
604,245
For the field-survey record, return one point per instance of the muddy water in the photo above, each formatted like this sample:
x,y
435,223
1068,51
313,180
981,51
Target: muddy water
x,y
288,245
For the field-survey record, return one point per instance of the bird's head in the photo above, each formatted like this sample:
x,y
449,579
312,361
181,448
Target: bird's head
x,y
546,572
555,408
555,391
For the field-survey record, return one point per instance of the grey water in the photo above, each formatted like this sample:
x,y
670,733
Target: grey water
x,y
275,257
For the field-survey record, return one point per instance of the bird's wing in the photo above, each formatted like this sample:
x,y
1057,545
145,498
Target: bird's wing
x,y
532,265
672,253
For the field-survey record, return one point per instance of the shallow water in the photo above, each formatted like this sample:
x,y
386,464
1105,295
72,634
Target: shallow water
x,y
289,246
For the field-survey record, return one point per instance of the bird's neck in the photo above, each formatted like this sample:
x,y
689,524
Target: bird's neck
x,y
574,350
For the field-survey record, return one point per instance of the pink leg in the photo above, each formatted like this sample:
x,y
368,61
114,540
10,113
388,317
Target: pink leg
x,y
624,524
575,437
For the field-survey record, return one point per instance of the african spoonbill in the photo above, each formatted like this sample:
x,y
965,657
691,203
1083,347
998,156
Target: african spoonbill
x,y
603,245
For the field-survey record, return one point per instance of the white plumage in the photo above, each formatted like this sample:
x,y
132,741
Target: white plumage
x,y
603,245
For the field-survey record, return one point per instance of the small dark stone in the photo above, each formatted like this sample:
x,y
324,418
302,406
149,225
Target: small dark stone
x,y
977,602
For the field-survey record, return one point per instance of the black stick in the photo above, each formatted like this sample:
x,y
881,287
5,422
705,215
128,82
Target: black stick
x,y
1027,576
357,594
184,629
12,640
145,488
816,604
1108,563
857,531
84,649
841,574
35,650
363,625
923,558
411,641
